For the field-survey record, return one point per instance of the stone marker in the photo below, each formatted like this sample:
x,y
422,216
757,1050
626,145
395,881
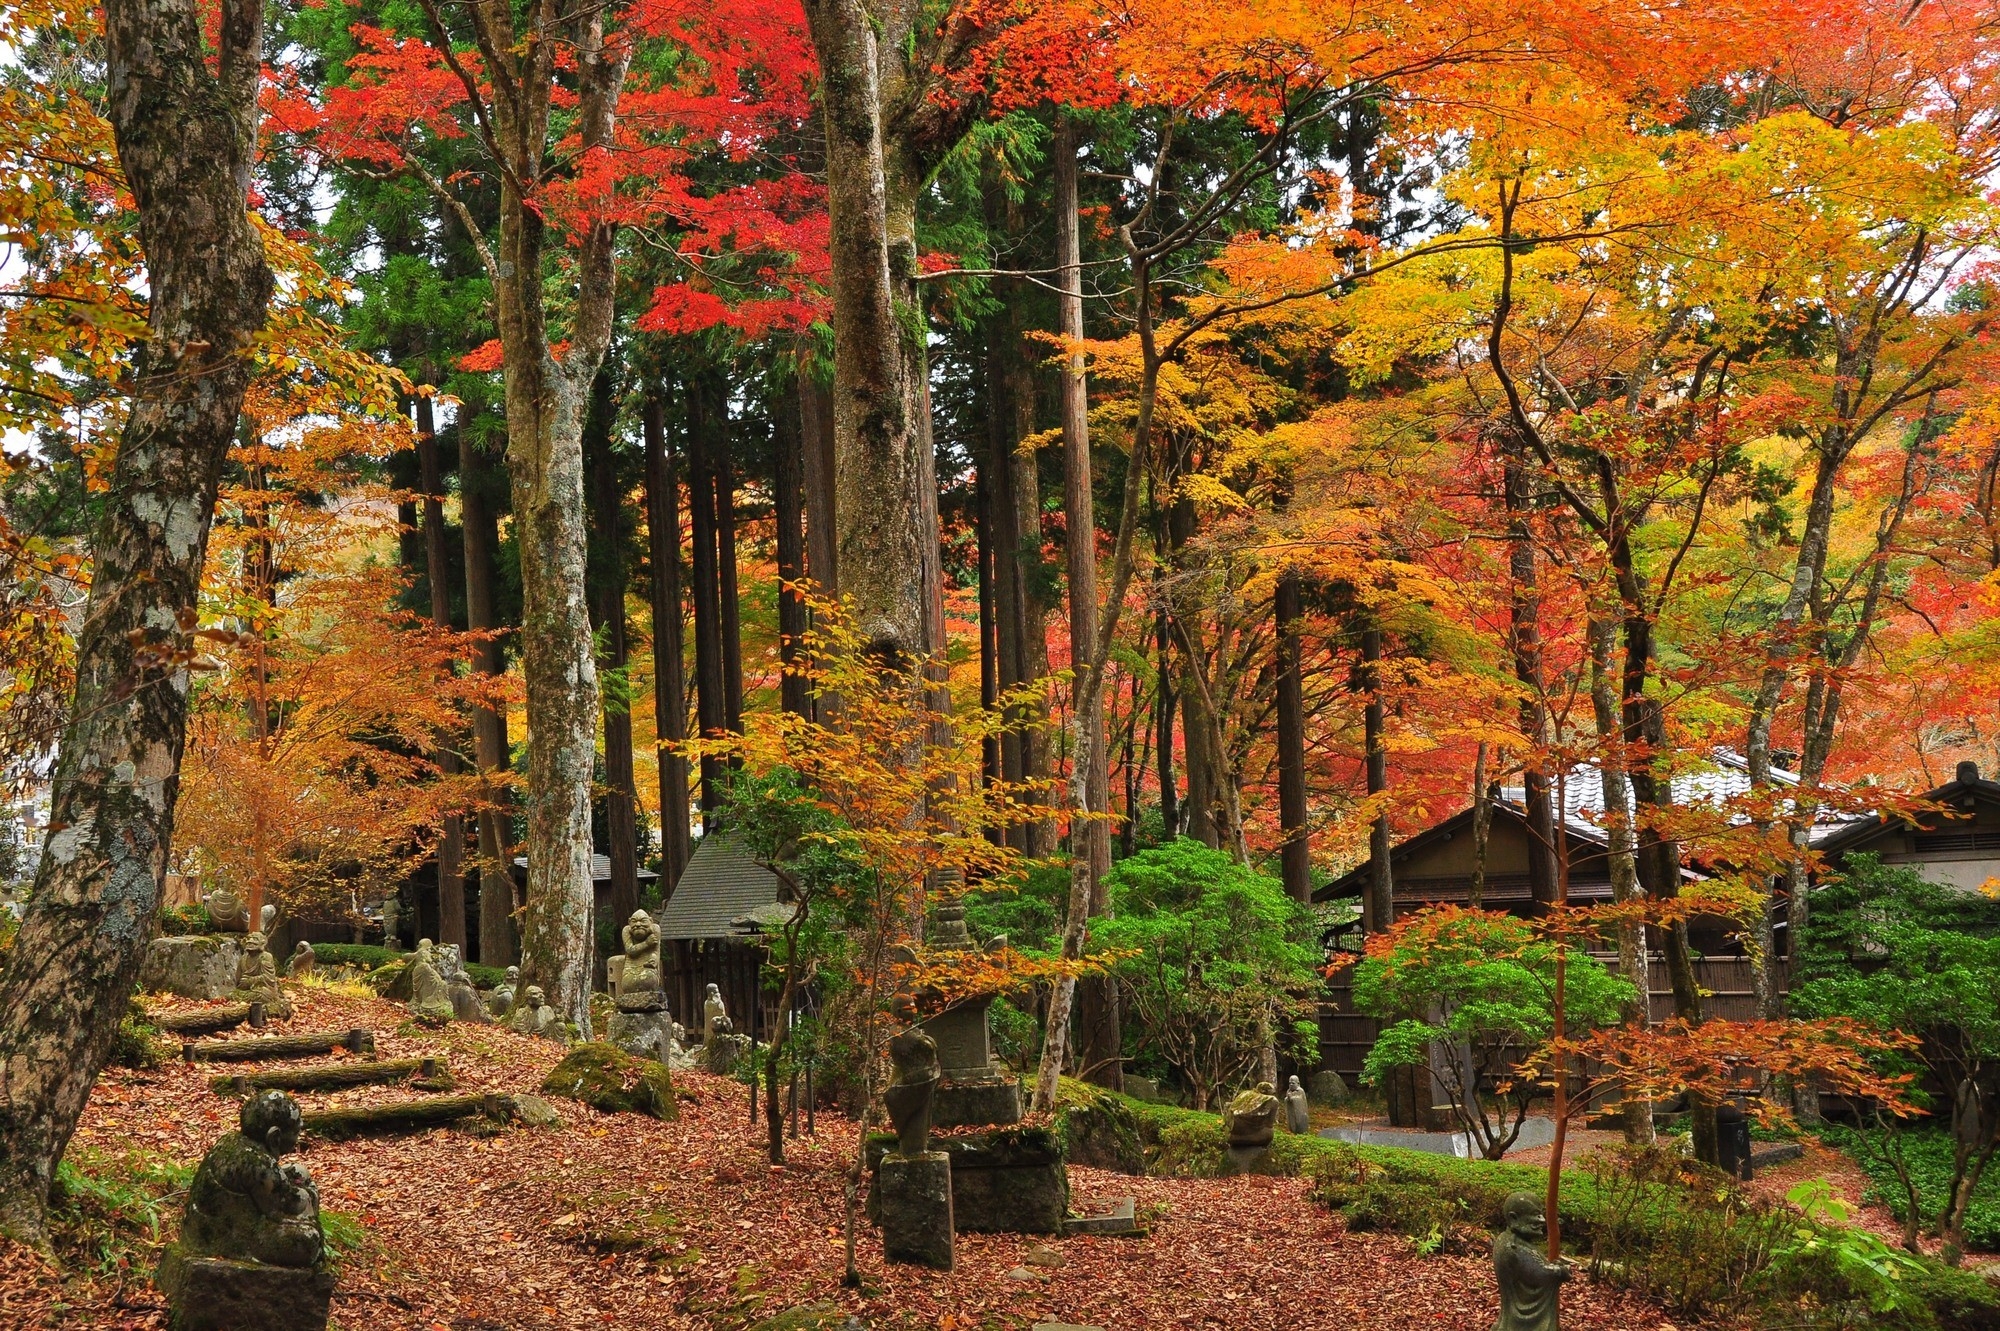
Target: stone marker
x,y
501,1001
430,997
1327,1087
534,1016
302,961
250,1256
635,976
257,978
1252,1117
1121,1220
913,1198
1530,1284
1298,1111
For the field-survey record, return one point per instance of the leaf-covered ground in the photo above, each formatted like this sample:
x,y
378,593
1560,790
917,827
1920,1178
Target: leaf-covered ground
x,y
627,1222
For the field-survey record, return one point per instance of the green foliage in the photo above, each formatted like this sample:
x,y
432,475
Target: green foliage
x,y
1214,959
184,920
1487,982
1927,1159
1879,1275
113,1213
361,956
1028,913
137,1043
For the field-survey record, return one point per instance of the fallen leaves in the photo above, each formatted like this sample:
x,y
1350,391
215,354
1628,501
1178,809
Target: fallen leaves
x,y
626,1222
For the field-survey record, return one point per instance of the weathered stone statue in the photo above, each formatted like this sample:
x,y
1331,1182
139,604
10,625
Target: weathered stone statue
x,y
250,1256
1530,1284
713,1011
1298,1113
910,1096
466,1005
430,997
257,978
303,960
501,1001
1252,1118
534,1016
636,983
227,912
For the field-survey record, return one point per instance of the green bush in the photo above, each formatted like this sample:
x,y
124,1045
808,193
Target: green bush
x,y
115,1213
361,956
183,920
137,1043
1927,1154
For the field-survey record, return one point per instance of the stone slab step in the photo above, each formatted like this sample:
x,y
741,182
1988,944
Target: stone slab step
x,y
1119,1221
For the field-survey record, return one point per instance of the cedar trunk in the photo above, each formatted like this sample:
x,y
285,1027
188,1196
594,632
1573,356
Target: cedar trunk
x,y
711,708
788,481
437,569
663,525
489,724
186,134
1296,855
621,792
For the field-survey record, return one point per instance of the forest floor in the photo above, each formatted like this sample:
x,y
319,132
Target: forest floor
x,y
624,1222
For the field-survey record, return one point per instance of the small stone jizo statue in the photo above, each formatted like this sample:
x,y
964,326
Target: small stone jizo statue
x,y
636,977
430,997
911,1096
712,1011
250,1255
1252,1117
1298,1113
303,960
501,1001
1530,1284
257,978
534,1016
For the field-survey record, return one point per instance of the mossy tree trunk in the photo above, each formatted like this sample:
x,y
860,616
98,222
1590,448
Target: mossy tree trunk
x,y
183,114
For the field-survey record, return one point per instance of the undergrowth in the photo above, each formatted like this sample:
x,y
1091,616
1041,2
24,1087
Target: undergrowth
x,y
1927,1155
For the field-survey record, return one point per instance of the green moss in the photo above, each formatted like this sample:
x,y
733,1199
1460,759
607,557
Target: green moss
x,y
1097,1128
608,1079
361,956
138,1043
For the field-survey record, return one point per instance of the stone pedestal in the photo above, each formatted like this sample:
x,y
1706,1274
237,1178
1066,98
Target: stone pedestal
x,y
199,966
723,1052
913,1203
216,1294
970,1095
989,1100
1009,1181
645,1034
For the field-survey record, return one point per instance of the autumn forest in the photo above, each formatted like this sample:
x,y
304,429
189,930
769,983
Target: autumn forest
x,y
999,664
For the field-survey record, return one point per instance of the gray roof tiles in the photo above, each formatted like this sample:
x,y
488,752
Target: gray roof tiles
x,y
720,887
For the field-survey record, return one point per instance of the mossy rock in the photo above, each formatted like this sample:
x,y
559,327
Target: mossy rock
x,y
391,981
1098,1128
608,1079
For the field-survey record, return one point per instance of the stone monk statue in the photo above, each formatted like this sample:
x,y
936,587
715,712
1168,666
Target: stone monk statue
x,y
636,979
243,1204
430,996
713,1011
257,978
1530,1284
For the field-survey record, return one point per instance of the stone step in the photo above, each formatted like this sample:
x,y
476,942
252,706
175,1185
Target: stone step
x,y
1118,1222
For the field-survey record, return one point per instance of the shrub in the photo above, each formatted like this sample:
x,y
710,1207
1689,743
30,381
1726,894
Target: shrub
x,y
137,1042
186,920
113,1213
1928,1158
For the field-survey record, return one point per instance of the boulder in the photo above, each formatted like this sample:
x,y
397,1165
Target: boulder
x,y
199,966
612,1081
1326,1087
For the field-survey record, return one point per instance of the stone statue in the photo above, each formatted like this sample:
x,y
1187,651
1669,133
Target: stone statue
x,y
534,1016
636,981
1530,1284
910,1096
1252,1117
1298,1112
430,997
713,1011
226,912
303,960
250,1255
466,1005
257,978
501,1001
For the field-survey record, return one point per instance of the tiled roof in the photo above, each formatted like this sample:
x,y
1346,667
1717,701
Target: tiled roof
x,y
600,868
720,886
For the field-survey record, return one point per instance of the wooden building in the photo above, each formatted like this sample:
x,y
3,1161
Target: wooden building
x,y
711,933
1958,845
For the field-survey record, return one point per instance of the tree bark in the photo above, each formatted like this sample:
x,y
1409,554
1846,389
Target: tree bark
x,y
1296,854
1163,720
1525,638
711,708
663,526
621,791
789,504
816,426
725,572
1632,958
489,724
437,566
1380,903
186,137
